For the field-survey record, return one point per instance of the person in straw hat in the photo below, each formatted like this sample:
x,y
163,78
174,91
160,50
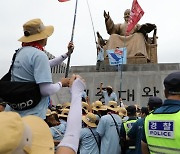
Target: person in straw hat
x,y
66,105
27,135
85,108
108,94
107,129
31,135
99,110
89,138
32,64
122,113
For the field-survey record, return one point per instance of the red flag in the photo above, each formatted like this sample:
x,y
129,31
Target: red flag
x,y
63,0
135,15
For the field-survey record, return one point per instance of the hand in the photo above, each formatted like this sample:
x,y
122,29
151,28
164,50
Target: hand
x,y
87,99
70,48
106,15
65,82
74,77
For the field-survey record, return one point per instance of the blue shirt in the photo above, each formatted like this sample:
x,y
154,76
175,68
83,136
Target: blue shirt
x,y
112,97
108,133
57,132
32,64
84,95
88,144
169,106
100,55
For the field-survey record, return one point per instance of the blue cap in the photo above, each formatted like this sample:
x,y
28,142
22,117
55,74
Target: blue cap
x,y
172,83
155,100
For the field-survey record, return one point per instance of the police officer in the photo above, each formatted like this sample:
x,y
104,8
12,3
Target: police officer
x,y
161,128
132,118
136,131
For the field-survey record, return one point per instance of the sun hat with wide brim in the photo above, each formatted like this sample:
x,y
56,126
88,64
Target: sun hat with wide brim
x,y
112,105
85,106
30,134
64,113
109,87
48,112
98,106
90,119
35,30
122,111
66,105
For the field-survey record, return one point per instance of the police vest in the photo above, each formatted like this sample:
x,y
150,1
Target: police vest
x,y
162,133
128,125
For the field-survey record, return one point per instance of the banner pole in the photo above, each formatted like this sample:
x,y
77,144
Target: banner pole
x,y
72,36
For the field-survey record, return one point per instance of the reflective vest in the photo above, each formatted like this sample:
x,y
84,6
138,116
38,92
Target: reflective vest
x,y
163,133
128,125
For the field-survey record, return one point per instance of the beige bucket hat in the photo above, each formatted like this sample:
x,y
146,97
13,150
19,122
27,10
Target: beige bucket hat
x,y
85,106
30,134
122,111
35,30
64,113
66,105
112,105
98,106
90,119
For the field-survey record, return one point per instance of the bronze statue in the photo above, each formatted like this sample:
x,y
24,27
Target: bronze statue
x,y
137,42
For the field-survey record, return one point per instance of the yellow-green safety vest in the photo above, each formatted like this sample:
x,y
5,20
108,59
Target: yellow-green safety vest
x,y
128,125
163,133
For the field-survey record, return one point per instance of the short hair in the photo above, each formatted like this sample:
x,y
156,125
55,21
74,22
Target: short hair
x,y
144,110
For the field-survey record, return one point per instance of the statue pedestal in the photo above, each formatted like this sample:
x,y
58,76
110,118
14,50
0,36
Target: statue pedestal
x,y
137,60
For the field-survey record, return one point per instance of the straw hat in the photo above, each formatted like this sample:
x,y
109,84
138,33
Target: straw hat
x,y
30,134
59,106
53,112
122,111
85,106
64,113
66,105
98,106
109,87
35,30
48,112
90,119
112,105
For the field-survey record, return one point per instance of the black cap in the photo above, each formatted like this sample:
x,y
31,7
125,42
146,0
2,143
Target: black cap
x,y
154,102
172,83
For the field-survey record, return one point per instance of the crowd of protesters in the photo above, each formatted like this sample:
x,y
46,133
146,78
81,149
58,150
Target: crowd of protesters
x,y
81,126
97,128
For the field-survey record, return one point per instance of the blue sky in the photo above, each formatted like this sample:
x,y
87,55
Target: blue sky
x,y
13,14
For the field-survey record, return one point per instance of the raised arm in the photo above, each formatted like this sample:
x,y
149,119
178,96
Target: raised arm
x,y
70,142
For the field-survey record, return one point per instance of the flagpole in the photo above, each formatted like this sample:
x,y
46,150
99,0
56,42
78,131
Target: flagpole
x,y
72,36
91,21
92,25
